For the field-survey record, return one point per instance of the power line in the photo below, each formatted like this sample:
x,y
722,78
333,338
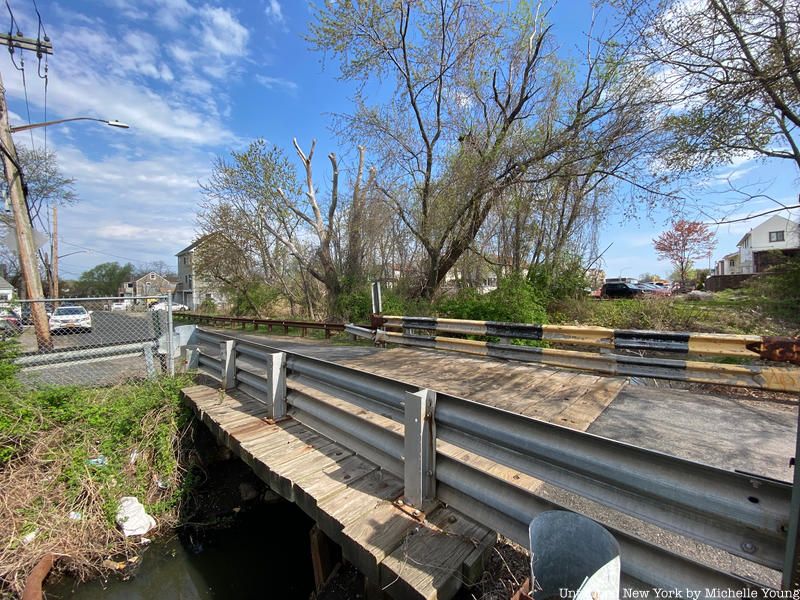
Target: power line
x,y
133,260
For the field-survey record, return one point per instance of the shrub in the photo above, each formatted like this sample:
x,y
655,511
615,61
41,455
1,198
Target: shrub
x,y
514,301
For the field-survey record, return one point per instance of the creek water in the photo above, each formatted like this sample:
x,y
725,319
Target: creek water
x,y
263,553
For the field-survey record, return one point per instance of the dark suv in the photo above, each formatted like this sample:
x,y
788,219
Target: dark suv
x,y
620,290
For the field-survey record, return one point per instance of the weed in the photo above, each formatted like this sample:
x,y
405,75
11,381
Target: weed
x,y
75,451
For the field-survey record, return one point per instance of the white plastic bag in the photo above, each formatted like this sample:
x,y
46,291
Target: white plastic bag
x,y
132,518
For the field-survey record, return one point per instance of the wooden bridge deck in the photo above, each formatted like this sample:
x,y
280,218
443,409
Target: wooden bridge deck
x,y
351,500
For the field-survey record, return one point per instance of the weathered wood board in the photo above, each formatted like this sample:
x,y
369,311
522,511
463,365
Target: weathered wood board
x,y
351,500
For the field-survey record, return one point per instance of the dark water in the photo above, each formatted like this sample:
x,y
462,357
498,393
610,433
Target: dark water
x,y
264,554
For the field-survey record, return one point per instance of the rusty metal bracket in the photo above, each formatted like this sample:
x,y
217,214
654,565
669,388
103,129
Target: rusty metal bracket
x,y
778,349
416,514
376,321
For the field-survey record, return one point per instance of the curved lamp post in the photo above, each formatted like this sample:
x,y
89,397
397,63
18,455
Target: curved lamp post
x,y
113,123
27,250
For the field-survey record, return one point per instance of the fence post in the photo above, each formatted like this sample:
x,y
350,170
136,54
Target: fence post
x,y
420,448
276,385
170,338
149,362
227,358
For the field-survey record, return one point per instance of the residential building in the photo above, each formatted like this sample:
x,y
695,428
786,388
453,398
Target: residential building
x,y
6,290
149,284
756,249
191,289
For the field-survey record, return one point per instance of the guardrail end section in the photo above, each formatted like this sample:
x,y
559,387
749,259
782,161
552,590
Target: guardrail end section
x,y
227,356
420,448
276,385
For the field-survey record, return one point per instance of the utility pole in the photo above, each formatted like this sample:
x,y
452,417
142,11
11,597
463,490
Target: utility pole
x,y
54,250
19,205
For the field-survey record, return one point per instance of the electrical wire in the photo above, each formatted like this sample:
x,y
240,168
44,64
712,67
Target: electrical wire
x,y
133,260
27,104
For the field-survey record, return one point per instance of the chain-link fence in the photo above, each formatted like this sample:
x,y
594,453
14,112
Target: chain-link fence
x,y
90,341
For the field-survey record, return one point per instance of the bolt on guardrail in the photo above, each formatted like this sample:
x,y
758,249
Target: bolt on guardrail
x,y
93,341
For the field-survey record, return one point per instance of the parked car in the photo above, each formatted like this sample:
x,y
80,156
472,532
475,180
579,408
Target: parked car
x,y
164,306
25,315
10,323
653,289
620,290
71,318
118,306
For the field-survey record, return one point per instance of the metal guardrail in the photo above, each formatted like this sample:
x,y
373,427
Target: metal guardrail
x,y
451,449
269,324
768,377
781,349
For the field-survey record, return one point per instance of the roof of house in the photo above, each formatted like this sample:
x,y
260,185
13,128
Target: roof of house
x,y
786,224
195,243
4,285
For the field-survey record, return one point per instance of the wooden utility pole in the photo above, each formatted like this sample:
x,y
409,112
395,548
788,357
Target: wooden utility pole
x,y
19,206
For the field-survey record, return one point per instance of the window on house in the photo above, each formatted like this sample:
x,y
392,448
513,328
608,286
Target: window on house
x,y
186,278
776,236
152,276
732,262
184,259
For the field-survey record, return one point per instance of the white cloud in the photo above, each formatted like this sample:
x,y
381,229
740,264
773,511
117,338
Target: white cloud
x,y
277,82
97,74
222,33
274,11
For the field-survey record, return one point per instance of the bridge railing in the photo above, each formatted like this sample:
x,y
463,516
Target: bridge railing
x,y
634,353
268,325
471,456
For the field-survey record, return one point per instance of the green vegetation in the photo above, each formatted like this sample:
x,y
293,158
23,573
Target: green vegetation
x,y
67,455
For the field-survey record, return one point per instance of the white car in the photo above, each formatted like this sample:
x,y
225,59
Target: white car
x,y
70,318
163,306
118,306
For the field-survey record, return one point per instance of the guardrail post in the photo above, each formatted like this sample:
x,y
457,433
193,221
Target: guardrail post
x,y
276,385
227,359
420,448
192,358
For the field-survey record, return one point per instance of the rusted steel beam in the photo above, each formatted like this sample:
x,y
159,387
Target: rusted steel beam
x,y
779,349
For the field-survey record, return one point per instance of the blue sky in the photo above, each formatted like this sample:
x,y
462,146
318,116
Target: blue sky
x,y
195,79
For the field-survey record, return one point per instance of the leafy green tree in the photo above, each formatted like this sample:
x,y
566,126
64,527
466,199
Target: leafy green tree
x,y
480,103
104,280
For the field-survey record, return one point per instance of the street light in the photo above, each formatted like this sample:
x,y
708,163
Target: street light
x,y
113,123
27,249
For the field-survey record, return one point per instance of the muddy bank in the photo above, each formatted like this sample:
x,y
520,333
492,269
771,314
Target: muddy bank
x,y
235,539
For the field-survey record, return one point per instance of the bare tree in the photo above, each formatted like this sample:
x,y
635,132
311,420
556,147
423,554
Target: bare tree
x,y
732,69
261,209
480,104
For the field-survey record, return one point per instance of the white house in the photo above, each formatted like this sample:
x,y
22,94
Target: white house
x,y
192,290
776,233
6,290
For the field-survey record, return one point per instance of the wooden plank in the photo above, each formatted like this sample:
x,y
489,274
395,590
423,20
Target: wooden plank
x,y
283,476
311,489
427,565
350,498
590,404
368,540
338,510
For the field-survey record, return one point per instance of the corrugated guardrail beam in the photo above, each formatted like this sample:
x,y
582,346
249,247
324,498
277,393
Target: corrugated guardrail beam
x,y
781,349
781,379
743,514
